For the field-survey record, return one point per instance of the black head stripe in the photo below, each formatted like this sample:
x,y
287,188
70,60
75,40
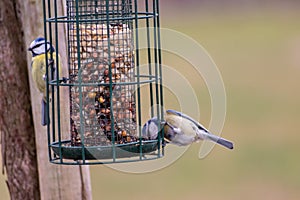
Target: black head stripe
x,y
38,45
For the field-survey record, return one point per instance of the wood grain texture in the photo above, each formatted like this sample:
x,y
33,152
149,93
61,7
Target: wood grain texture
x,y
16,123
24,141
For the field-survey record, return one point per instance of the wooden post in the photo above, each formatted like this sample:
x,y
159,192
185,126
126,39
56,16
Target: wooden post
x,y
56,181
19,160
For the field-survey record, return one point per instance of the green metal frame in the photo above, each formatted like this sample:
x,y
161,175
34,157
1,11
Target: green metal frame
x,y
95,138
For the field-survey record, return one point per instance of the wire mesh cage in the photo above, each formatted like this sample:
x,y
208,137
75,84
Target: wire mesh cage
x,y
104,80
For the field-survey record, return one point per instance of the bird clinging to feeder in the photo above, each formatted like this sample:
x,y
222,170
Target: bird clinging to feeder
x,y
180,129
38,48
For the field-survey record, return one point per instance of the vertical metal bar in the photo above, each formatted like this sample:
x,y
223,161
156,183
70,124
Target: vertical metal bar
x,y
69,58
47,89
155,57
123,8
160,69
159,56
57,61
96,7
80,84
156,76
137,57
47,77
149,57
110,83
51,75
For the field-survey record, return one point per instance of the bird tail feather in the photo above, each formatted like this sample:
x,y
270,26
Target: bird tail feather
x,y
220,141
44,113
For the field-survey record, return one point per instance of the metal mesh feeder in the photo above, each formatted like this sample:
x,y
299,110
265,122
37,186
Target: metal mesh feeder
x,y
104,81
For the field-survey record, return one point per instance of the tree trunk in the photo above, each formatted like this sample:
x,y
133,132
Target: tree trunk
x,y
16,124
24,140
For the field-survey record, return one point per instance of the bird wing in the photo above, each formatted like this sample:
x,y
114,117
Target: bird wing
x,y
38,70
174,112
210,136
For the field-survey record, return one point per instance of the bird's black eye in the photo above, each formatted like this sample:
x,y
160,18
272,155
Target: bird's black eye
x,y
169,136
35,46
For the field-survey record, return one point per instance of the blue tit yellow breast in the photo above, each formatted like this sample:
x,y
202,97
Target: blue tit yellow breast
x,y
38,71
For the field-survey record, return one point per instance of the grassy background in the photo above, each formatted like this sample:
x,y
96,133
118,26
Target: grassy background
x,y
257,52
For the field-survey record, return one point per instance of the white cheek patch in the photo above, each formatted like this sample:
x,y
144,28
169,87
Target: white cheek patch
x,y
154,130
40,49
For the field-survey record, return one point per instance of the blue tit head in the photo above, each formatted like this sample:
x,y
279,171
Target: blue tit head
x,y
38,46
150,129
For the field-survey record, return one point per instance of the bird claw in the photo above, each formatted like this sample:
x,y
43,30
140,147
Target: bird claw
x,y
65,79
50,61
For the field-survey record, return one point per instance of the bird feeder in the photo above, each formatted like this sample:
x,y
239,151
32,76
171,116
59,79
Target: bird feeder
x,y
104,81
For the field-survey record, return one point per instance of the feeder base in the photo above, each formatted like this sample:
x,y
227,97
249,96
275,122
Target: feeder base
x,y
66,151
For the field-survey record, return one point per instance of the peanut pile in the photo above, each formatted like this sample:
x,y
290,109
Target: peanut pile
x,y
102,92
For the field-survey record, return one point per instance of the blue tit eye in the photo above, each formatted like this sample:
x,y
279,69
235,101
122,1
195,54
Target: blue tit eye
x,y
168,135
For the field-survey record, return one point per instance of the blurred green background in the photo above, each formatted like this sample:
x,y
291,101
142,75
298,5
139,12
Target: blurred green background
x,y
256,47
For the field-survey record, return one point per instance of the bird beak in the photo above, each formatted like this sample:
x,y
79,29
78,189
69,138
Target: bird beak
x,y
29,49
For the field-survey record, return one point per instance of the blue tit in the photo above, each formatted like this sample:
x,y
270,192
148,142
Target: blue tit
x,y
38,47
181,130
151,129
